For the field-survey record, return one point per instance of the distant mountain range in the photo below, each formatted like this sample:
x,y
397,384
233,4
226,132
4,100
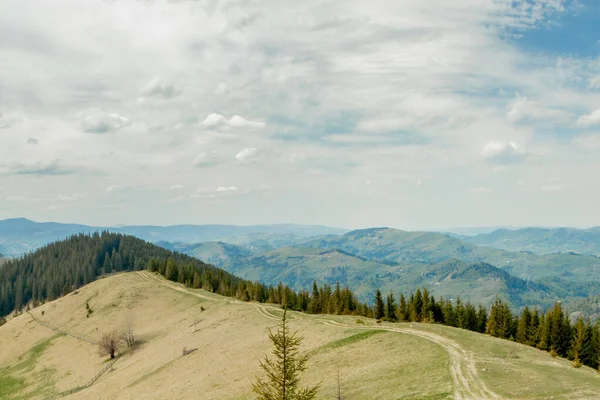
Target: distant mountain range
x,y
524,266
391,259
20,235
541,240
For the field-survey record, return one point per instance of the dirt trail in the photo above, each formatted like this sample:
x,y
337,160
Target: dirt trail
x,y
467,383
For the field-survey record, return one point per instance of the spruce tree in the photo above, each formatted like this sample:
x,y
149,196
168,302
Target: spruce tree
x,y
171,270
533,328
283,370
523,326
390,307
579,333
417,306
402,309
379,306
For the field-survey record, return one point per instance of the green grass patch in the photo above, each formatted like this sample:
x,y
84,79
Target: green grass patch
x,y
13,385
10,385
357,337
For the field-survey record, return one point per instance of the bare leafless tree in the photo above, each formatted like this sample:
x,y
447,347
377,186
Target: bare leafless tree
x,y
128,335
110,343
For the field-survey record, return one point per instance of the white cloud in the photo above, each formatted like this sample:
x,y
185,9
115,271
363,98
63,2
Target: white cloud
x,y
589,119
40,168
205,159
398,91
176,187
595,82
157,88
247,154
67,198
215,120
523,110
113,188
213,192
32,140
241,122
503,152
479,189
552,185
227,189
222,89
7,121
295,157
100,122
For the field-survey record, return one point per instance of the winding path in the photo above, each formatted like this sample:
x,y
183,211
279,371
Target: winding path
x,y
467,383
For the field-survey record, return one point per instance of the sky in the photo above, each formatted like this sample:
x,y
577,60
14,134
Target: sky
x,y
403,113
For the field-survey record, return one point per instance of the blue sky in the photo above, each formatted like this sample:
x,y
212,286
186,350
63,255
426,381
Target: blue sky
x,y
574,32
415,114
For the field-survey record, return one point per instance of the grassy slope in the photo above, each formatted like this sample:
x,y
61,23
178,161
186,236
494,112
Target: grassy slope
x,y
231,337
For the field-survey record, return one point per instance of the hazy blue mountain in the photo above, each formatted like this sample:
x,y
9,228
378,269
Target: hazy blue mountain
x,y
203,233
473,231
20,235
542,240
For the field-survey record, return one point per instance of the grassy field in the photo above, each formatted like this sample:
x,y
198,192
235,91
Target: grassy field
x,y
373,361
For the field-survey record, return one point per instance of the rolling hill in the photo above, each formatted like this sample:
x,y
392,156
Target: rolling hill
x,y
300,266
400,247
366,260
541,240
52,351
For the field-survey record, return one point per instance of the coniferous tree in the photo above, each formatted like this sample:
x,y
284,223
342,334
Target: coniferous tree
x,y
449,313
500,320
533,328
379,311
426,311
171,270
417,306
390,307
315,302
543,334
579,336
523,326
482,318
470,317
403,313
283,370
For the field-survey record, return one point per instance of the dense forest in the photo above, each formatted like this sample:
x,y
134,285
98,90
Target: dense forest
x,y
61,267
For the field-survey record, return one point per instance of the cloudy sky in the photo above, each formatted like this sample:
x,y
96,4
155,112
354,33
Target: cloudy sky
x,y
413,114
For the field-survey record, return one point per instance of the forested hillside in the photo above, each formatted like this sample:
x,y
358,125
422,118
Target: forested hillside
x,y
61,267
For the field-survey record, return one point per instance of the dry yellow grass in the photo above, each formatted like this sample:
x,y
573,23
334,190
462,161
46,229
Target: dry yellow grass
x,y
400,362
